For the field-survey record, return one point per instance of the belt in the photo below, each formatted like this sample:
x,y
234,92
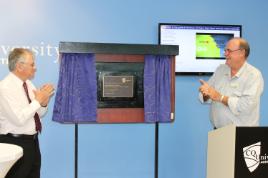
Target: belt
x,y
23,136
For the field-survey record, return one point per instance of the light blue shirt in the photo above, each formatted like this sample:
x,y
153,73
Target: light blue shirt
x,y
244,91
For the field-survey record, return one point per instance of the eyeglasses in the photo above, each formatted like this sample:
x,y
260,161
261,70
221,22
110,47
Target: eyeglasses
x,y
231,51
31,65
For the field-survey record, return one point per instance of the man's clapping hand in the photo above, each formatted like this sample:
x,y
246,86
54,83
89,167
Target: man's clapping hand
x,y
208,91
43,94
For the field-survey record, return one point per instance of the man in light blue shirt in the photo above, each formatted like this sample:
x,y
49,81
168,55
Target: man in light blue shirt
x,y
235,88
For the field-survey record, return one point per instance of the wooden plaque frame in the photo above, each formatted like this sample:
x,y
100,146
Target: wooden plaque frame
x,y
110,52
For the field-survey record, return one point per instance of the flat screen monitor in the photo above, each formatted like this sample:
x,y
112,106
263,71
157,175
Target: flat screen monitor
x,y
201,46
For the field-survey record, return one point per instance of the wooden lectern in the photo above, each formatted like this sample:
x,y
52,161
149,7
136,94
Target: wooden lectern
x,y
237,152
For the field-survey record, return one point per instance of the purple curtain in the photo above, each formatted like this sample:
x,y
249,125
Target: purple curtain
x,y
157,93
76,97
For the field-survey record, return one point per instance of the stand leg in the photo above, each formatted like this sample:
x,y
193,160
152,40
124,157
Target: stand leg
x,y
76,152
156,151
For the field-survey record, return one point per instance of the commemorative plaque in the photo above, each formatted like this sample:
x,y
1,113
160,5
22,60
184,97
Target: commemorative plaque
x,y
118,86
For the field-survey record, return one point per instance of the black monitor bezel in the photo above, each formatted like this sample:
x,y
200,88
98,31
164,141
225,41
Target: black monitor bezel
x,y
194,24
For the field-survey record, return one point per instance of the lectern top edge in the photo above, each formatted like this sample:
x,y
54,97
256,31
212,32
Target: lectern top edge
x,y
117,48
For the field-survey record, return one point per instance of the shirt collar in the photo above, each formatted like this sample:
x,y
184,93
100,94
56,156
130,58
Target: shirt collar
x,y
227,72
238,74
16,79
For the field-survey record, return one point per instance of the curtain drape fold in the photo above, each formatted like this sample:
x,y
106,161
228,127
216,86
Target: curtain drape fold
x,y
76,97
157,93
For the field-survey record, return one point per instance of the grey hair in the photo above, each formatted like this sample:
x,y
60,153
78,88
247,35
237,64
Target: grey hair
x,y
17,55
243,44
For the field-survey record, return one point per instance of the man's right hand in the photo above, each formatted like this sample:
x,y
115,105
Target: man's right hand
x,y
209,92
204,88
43,94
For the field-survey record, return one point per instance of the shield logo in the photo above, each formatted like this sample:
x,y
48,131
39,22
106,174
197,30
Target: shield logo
x,y
252,156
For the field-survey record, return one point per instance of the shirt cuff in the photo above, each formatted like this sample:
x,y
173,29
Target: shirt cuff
x,y
201,98
232,103
35,104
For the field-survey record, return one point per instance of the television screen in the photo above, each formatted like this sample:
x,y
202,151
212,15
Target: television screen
x,y
201,46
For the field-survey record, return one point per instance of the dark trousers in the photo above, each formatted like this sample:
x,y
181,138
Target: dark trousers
x,y
28,166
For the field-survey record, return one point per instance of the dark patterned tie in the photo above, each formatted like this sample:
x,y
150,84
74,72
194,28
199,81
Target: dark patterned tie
x,y
38,126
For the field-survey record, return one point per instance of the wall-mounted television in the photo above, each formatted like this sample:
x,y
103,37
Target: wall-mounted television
x,y
201,46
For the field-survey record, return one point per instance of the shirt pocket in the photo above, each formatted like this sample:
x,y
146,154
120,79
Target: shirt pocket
x,y
237,93
236,88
